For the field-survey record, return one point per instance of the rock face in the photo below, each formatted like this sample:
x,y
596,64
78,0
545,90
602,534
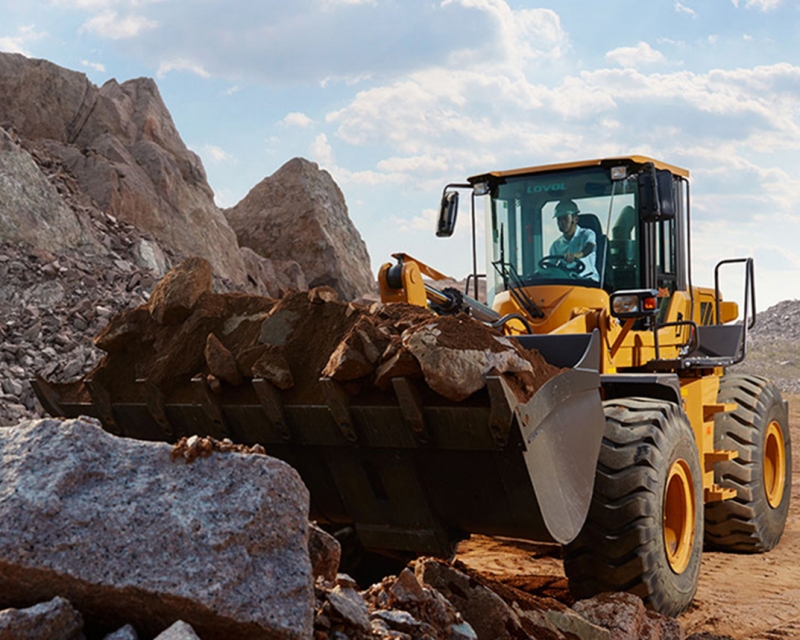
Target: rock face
x,y
31,208
121,145
126,534
299,213
273,278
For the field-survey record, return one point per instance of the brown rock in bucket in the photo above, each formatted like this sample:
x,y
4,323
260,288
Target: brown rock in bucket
x,y
175,295
221,362
347,362
456,353
272,366
322,294
401,365
358,352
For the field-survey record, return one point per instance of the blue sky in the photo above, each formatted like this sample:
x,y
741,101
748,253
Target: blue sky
x,y
398,97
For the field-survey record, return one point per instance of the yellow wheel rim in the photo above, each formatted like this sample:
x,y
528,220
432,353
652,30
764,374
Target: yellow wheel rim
x,y
679,516
774,464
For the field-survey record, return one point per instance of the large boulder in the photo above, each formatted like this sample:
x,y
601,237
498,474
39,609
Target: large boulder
x,y
130,533
122,146
299,213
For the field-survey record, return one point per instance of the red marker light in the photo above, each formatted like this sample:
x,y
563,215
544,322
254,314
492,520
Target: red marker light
x,y
649,304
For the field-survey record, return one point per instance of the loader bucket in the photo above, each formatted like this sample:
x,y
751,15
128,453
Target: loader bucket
x,y
411,471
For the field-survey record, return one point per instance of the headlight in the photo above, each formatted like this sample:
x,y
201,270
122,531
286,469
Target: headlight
x,y
638,303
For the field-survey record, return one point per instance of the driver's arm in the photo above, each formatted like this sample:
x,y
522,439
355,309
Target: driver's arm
x,y
588,246
587,249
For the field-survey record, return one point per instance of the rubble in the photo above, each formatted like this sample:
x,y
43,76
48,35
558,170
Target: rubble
x,y
51,307
190,333
195,447
56,619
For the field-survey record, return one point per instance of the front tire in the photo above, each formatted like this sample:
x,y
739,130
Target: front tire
x,y
758,429
643,533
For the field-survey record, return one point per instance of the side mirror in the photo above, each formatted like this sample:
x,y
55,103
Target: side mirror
x,y
656,195
448,210
634,303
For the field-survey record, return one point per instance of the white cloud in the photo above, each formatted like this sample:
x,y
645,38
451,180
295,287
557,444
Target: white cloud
x,y
215,155
764,5
321,151
296,119
332,4
632,57
521,34
94,66
232,90
181,64
19,43
224,199
114,27
347,80
420,164
682,8
91,5
288,42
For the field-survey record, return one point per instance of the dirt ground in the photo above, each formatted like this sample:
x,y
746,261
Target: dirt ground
x,y
752,597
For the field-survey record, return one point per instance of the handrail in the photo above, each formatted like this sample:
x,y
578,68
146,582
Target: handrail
x,y
693,339
749,289
477,277
749,298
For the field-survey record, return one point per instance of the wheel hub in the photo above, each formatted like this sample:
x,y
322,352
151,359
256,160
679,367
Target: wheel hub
x,y
774,464
680,514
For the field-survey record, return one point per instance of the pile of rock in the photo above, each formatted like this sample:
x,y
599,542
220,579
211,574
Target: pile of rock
x,y
774,346
52,306
186,332
779,321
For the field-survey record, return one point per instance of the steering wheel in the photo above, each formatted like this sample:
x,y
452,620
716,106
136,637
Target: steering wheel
x,y
558,262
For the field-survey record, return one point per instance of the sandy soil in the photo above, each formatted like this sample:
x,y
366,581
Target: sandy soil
x,y
752,597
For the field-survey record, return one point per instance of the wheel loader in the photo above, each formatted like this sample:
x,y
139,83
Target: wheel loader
x,y
640,451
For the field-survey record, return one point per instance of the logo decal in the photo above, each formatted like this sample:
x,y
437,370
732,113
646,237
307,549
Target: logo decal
x,y
544,188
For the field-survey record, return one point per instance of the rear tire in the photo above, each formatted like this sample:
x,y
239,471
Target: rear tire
x,y
758,429
643,533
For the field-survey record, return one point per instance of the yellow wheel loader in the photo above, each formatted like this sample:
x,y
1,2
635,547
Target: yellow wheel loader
x,y
688,454
637,453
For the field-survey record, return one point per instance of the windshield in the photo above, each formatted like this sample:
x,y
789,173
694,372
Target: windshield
x,y
574,227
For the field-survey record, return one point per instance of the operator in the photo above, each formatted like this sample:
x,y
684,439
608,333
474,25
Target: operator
x,y
575,243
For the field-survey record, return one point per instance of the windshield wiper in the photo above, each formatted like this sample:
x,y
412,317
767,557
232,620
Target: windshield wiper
x,y
509,275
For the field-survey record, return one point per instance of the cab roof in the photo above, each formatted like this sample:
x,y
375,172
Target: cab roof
x,y
636,160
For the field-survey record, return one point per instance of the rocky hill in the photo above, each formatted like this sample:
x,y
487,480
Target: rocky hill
x,y
99,197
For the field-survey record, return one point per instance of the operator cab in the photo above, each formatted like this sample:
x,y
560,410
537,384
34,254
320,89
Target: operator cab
x,y
632,244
